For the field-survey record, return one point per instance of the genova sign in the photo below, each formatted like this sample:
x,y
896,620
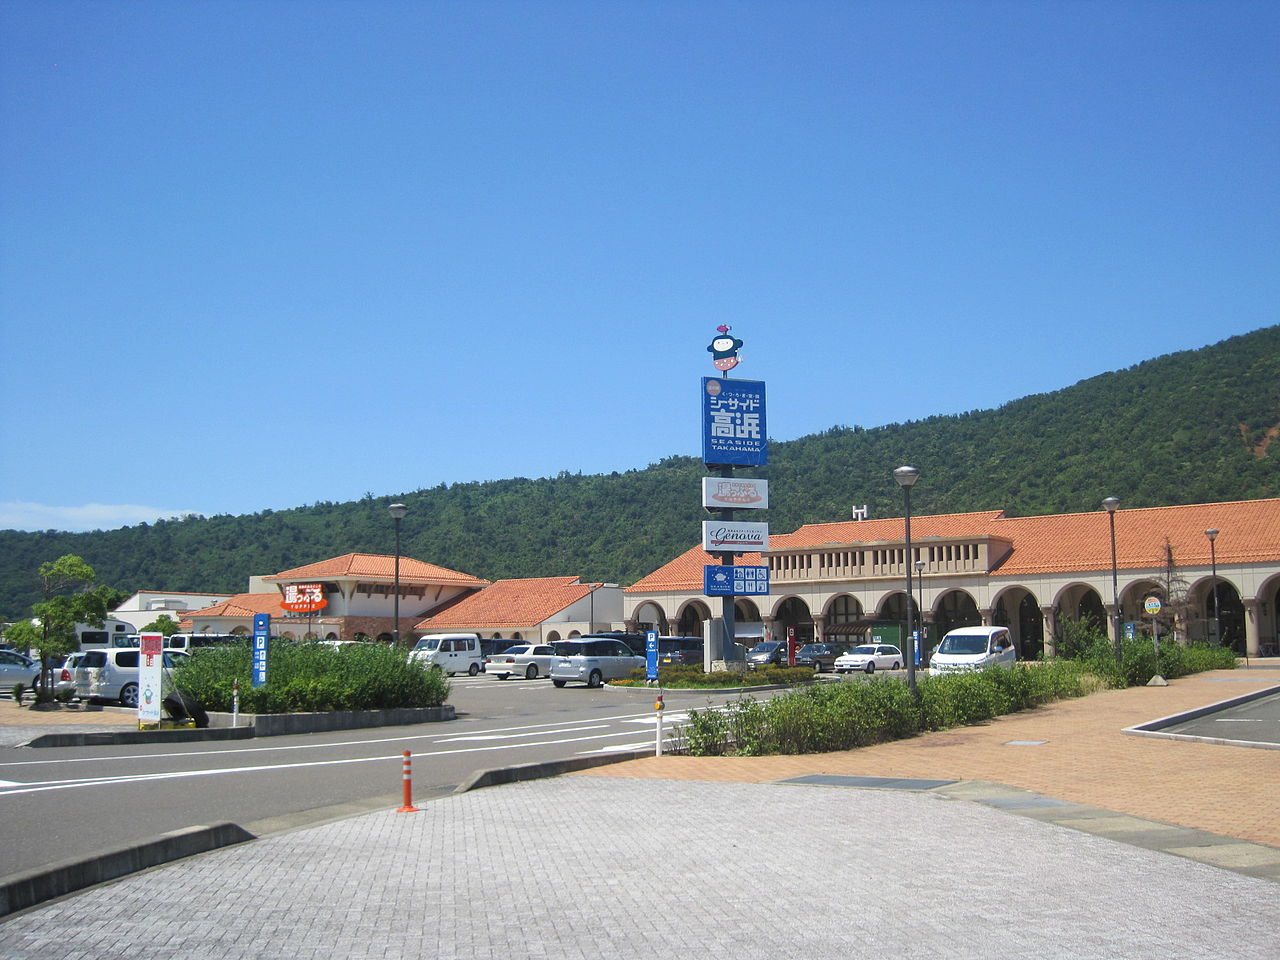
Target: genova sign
x,y
728,536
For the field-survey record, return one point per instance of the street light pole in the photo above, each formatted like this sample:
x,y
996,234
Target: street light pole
x,y
906,478
397,511
1212,534
920,565
1111,503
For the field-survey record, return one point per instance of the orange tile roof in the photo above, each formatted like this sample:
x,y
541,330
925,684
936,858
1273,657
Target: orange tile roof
x,y
240,605
369,566
1250,533
510,603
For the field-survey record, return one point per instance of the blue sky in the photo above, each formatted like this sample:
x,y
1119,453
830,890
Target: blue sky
x,y
261,254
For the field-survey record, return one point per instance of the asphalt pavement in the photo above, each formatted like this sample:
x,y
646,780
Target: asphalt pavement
x,y
1052,833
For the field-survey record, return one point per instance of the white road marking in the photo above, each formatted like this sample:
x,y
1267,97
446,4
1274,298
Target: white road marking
x,y
47,785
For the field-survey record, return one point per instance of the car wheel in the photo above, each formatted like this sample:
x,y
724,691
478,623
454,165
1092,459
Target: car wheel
x,y
596,679
473,669
559,683
871,666
896,665
502,676
531,673
129,695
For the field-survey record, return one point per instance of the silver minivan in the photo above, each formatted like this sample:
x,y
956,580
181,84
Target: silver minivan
x,y
593,661
113,674
973,648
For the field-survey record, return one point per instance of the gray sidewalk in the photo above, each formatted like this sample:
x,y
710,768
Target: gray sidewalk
x,y
605,867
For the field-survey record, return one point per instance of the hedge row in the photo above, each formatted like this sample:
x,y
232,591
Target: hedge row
x,y
309,677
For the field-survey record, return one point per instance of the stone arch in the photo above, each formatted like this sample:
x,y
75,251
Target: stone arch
x,y
1079,600
1016,607
793,612
1266,613
692,616
955,608
843,608
648,616
553,637
287,635
1230,613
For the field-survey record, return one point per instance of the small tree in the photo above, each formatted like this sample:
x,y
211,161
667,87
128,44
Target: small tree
x,y
162,624
68,598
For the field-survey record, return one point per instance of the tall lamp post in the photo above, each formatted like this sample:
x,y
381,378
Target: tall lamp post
x,y
1212,534
397,511
920,565
906,477
1111,503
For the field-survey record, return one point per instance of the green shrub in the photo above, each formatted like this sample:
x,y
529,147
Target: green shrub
x,y
307,677
679,676
843,715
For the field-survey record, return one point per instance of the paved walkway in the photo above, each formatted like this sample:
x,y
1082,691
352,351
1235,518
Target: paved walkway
x,y
668,857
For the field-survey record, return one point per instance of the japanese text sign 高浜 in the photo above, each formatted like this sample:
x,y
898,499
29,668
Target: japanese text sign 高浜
x,y
733,423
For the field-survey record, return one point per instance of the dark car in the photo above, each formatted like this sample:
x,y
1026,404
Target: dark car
x,y
820,656
685,651
768,653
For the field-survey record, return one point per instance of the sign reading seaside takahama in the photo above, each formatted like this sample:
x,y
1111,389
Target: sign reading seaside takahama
x,y
733,423
722,581
730,536
735,493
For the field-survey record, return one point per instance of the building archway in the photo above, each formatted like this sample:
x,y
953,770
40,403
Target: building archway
x,y
692,616
955,608
1230,614
1018,609
553,637
793,612
648,616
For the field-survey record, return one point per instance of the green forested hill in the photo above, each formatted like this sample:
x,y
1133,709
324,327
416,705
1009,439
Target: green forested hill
x,y
1195,426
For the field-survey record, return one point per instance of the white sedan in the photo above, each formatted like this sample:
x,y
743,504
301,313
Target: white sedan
x,y
524,660
870,657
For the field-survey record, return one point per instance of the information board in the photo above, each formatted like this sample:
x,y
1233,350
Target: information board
x,y
719,580
261,635
733,423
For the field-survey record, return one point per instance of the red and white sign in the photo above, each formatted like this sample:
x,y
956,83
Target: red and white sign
x,y
725,536
735,492
150,680
304,597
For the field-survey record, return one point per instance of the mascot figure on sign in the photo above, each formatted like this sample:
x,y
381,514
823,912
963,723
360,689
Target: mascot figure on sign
x,y
724,349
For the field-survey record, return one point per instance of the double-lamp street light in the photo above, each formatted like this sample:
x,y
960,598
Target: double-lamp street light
x,y
1111,503
906,478
397,511
1212,534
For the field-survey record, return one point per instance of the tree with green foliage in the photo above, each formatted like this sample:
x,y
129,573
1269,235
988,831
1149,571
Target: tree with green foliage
x,y
162,624
68,597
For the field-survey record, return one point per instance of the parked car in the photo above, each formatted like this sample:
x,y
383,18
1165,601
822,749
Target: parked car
x,y
450,652
526,660
683,651
767,653
113,674
65,679
592,661
870,657
17,668
973,648
820,656
636,641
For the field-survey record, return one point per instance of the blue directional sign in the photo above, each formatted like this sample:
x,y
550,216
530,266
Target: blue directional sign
x,y
651,654
725,581
733,423
261,635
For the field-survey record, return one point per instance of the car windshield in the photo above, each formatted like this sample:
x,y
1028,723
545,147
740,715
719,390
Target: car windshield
x,y
866,650
428,643
569,648
515,650
963,643
768,646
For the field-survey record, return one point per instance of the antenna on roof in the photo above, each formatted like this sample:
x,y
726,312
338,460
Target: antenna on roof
x,y
860,513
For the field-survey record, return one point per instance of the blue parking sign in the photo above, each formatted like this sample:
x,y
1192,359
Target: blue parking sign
x,y
651,655
261,637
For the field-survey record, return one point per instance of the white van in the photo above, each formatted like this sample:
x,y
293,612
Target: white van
x,y
451,652
973,648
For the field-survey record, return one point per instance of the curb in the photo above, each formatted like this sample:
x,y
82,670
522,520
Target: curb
x,y
1155,728
549,768
257,725
37,886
